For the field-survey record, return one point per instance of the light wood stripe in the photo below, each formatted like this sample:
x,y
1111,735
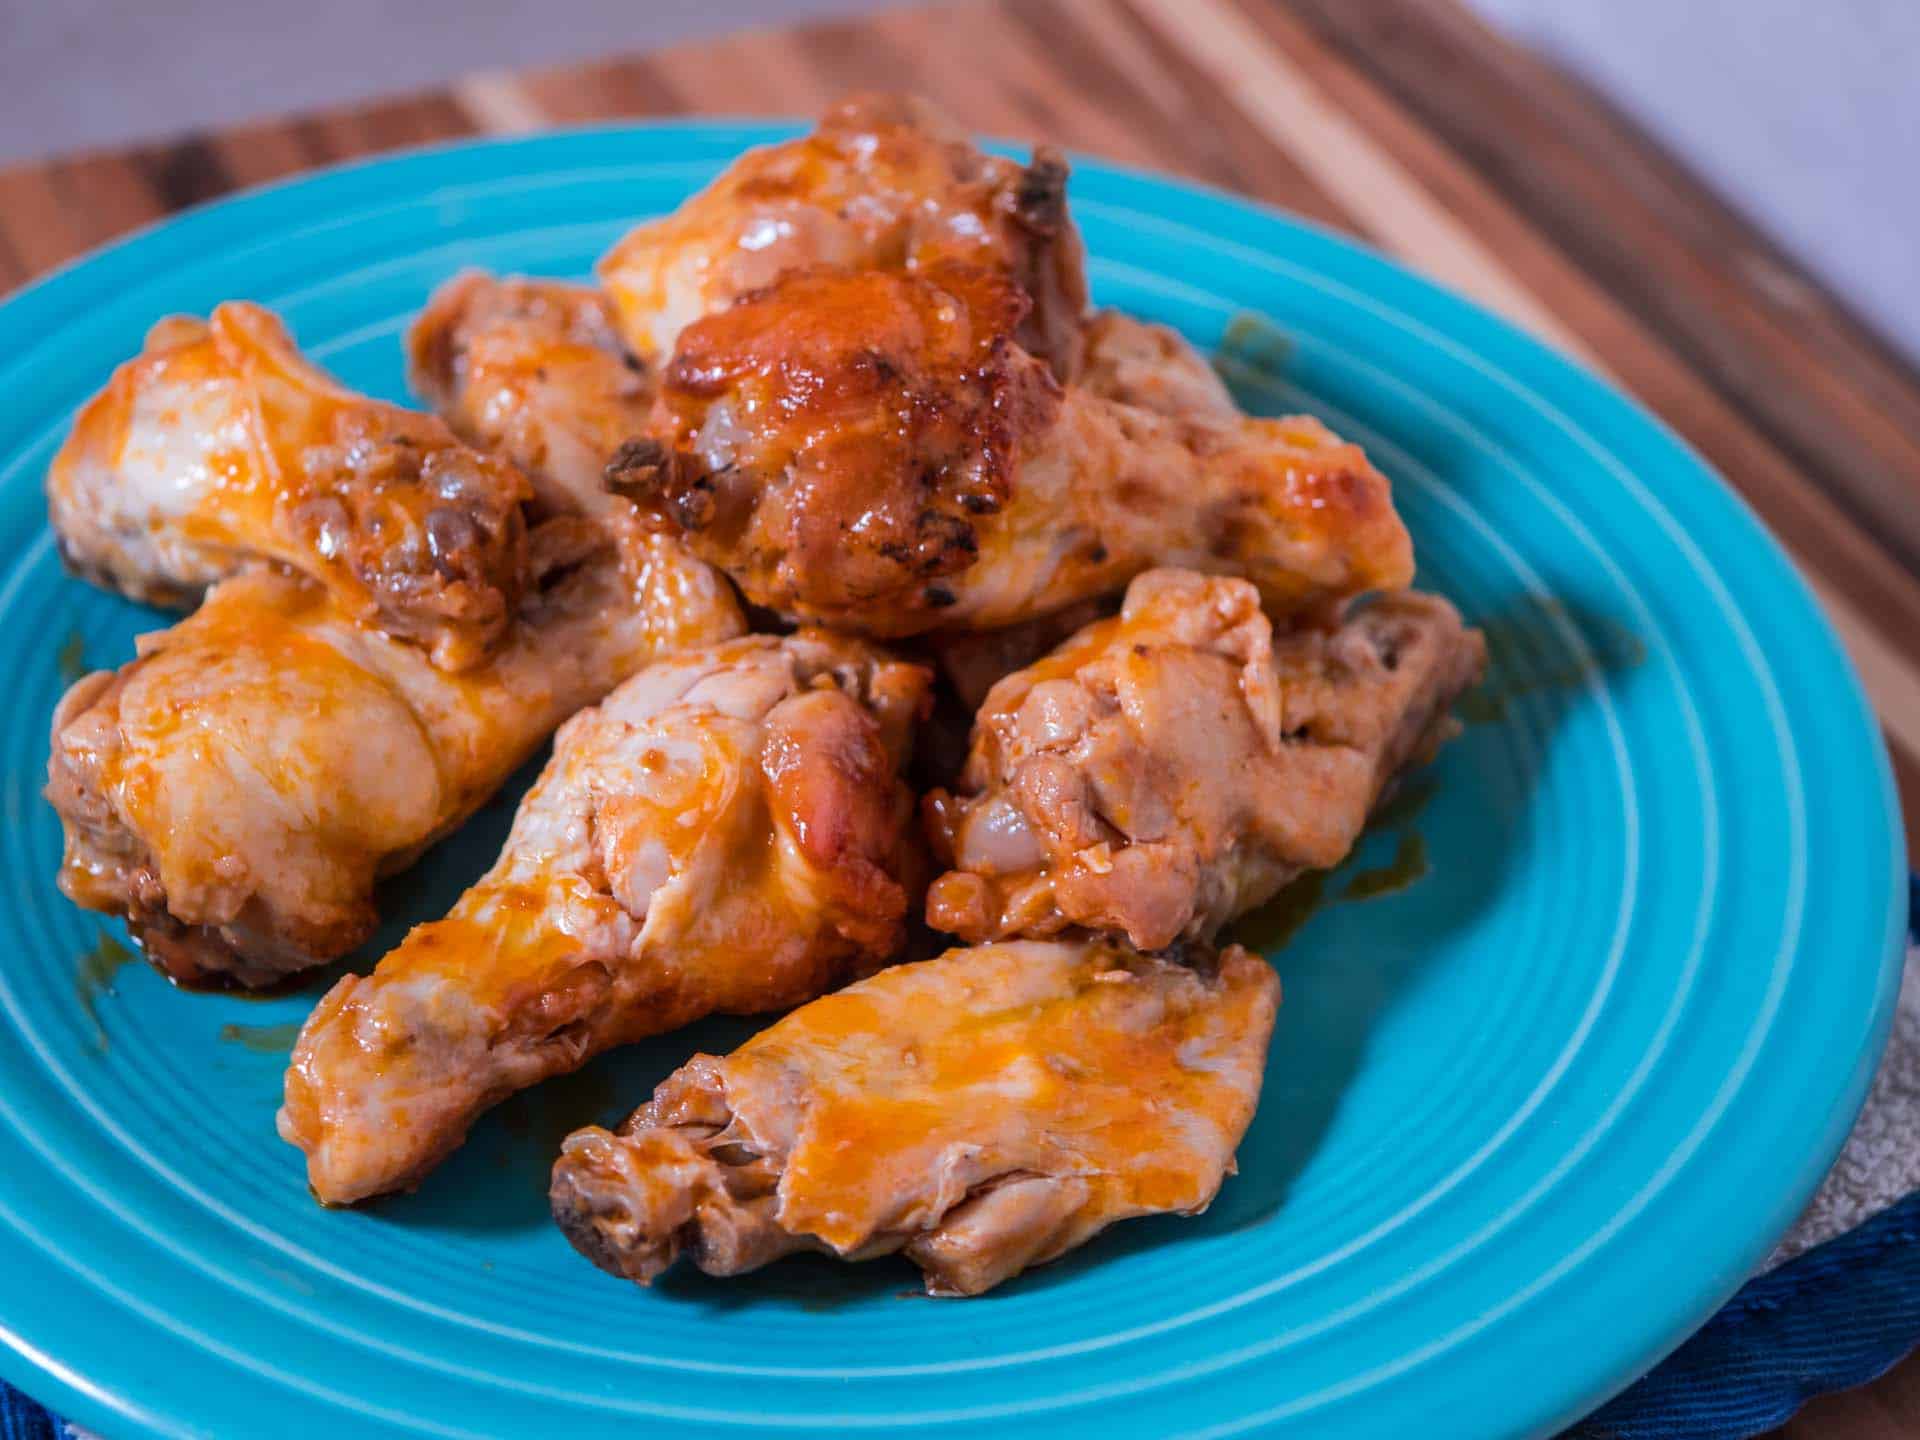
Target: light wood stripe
x,y
1344,159
498,104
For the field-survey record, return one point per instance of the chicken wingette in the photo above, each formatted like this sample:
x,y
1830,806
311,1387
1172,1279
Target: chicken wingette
x,y
220,445
981,1112
235,790
1167,770
727,832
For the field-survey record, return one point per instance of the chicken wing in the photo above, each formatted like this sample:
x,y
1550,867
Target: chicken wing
x,y
873,451
236,789
728,832
886,181
220,444
1167,770
984,1111
533,370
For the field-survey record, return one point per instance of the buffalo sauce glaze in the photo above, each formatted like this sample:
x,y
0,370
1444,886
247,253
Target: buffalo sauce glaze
x,y
238,449
1084,1060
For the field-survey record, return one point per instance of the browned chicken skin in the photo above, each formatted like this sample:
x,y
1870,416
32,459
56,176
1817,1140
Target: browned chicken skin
x,y
221,445
885,181
727,832
1133,362
873,450
235,791
533,370
982,1112
1167,770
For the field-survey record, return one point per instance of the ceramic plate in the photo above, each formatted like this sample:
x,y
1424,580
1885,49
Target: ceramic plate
x,y
1564,1047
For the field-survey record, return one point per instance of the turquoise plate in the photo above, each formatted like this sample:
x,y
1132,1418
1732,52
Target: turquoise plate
x,y
1529,1118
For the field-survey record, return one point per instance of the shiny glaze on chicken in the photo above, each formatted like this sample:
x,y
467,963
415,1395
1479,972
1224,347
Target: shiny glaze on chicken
x,y
1136,363
236,789
727,832
533,370
885,181
983,1112
874,451
1167,770
221,445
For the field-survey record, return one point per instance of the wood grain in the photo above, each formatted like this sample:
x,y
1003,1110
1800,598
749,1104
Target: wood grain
x,y
1405,122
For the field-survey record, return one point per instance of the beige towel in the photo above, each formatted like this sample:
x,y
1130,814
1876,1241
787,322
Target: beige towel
x,y
1881,1163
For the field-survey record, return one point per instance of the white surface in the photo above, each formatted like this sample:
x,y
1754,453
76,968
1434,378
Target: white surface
x,y
1805,114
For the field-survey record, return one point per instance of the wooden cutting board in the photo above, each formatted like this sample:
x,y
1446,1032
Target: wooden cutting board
x,y
1405,122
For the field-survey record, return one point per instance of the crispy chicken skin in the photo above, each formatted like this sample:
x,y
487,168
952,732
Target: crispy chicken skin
x,y
236,789
874,451
220,444
885,181
727,832
983,1112
533,370
1167,770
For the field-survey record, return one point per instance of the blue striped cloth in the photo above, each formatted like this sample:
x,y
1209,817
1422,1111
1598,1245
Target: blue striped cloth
x,y
1836,1317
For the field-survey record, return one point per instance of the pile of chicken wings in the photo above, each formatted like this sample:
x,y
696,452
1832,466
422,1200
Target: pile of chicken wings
x,y
837,445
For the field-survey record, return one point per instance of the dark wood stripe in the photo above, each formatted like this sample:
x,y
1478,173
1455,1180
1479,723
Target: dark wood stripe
x,y
187,172
14,271
638,86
